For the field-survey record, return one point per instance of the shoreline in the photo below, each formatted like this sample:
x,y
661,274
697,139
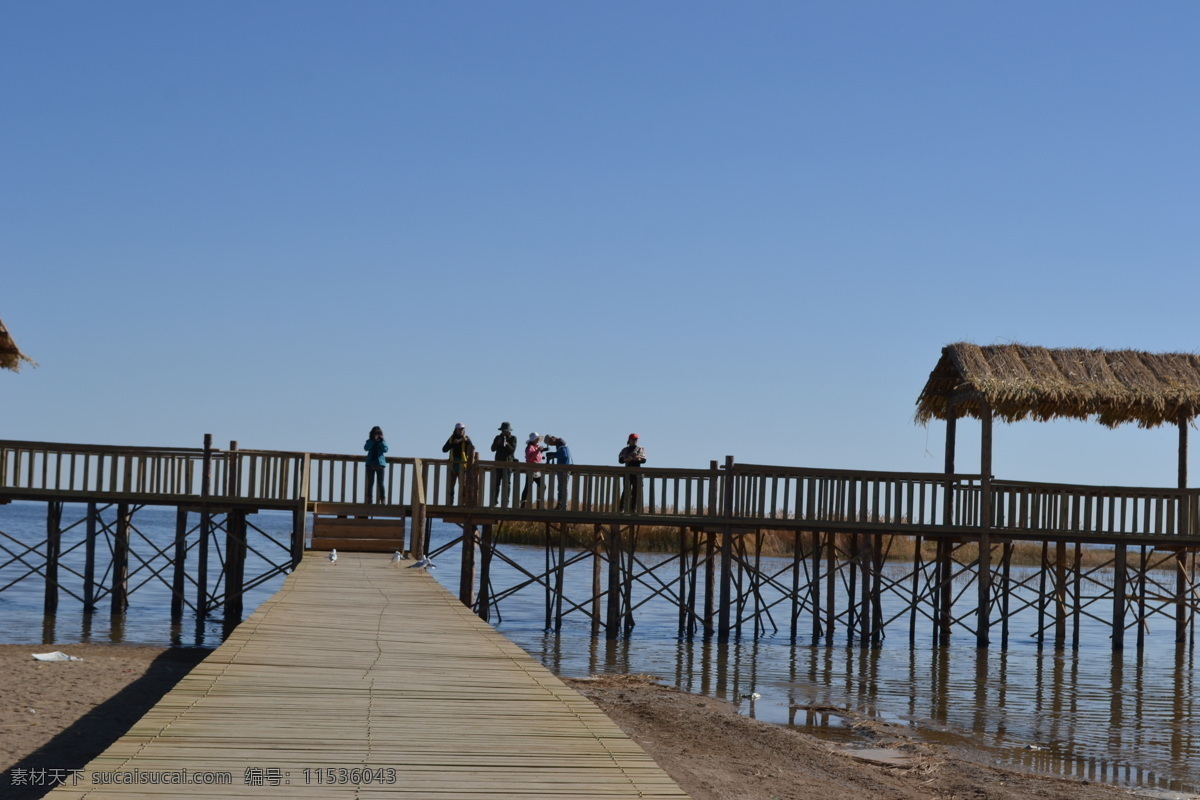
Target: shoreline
x,y
59,716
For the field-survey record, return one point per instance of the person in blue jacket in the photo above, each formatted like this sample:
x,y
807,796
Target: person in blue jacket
x,y
376,449
561,455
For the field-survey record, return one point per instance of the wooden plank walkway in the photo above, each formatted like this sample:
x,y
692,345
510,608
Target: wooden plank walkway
x,y
364,665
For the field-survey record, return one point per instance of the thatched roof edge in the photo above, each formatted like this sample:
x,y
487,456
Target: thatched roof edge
x,y
11,356
1020,381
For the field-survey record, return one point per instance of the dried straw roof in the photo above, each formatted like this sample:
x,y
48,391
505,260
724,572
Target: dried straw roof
x,y
10,355
1023,382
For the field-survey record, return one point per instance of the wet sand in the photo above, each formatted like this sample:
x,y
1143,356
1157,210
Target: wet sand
x,y
59,716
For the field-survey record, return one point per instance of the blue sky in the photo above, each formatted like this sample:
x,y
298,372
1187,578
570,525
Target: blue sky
x,y
738,229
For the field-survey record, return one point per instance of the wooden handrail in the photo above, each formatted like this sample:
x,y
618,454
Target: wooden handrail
x,y
749,493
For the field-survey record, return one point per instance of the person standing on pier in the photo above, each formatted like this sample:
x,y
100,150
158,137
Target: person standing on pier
x,y
533,455
561,455
376,449
505,448
632,455
461,449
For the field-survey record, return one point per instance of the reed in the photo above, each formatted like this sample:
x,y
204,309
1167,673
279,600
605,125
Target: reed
x,y
781,543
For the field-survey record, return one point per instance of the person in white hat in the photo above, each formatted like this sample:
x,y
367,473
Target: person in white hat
x,y
533,455
461,449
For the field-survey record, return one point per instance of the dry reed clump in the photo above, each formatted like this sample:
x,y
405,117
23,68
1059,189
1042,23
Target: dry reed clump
x,y
786,544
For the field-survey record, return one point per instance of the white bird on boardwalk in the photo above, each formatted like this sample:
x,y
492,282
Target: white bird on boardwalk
x,y
397,557
422,562
333,556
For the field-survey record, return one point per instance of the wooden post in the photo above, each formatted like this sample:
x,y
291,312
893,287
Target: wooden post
x,y
466,577
205,530
951,437
1077,579
1181,573
726,551
418,510
683,575
89,559
984,570
710,583
1006,580
120,562
547,553
1141,594
693,576
852,609
231,470
797,557
560,577
54,511
814,538
942,595
917,572
627,579
830,585
300,512
485,574
1060,595
945,573
179,565
1042,599
612,625
235,566
597,542
1118,609
877,592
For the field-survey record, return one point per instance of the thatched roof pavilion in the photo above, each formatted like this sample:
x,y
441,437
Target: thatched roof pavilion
x,y
1015,381
11,355
1019,381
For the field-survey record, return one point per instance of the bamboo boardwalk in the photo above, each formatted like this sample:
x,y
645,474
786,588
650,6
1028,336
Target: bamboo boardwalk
x,y
360,665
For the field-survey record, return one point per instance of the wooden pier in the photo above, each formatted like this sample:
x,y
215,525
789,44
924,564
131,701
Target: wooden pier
x,y
844,526
362,679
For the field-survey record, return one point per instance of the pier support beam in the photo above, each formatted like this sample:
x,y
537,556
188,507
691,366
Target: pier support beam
x,y
1118,611
466,577
54,511
120,562
612,624
1181,572
485,575
179,565
205,532
235,567
89,559
726,553
984,570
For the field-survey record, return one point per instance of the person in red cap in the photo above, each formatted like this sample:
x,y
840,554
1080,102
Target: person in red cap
x,y
632,455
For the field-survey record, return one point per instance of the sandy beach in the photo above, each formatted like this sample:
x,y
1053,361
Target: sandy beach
x,y
58,716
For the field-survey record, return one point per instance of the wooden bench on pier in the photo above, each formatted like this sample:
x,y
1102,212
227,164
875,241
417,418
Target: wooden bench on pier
x,y
352,531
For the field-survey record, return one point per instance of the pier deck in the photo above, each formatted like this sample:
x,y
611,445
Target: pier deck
x,y
363,665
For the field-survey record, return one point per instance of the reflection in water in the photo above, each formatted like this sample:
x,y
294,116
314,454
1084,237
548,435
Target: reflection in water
x,y
1127,718
1088,713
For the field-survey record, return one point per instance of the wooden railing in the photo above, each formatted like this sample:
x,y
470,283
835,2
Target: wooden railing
x,y
759,495
1105,510
51,467
917,499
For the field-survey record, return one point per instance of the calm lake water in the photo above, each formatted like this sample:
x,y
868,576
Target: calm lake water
x,y
1128,718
